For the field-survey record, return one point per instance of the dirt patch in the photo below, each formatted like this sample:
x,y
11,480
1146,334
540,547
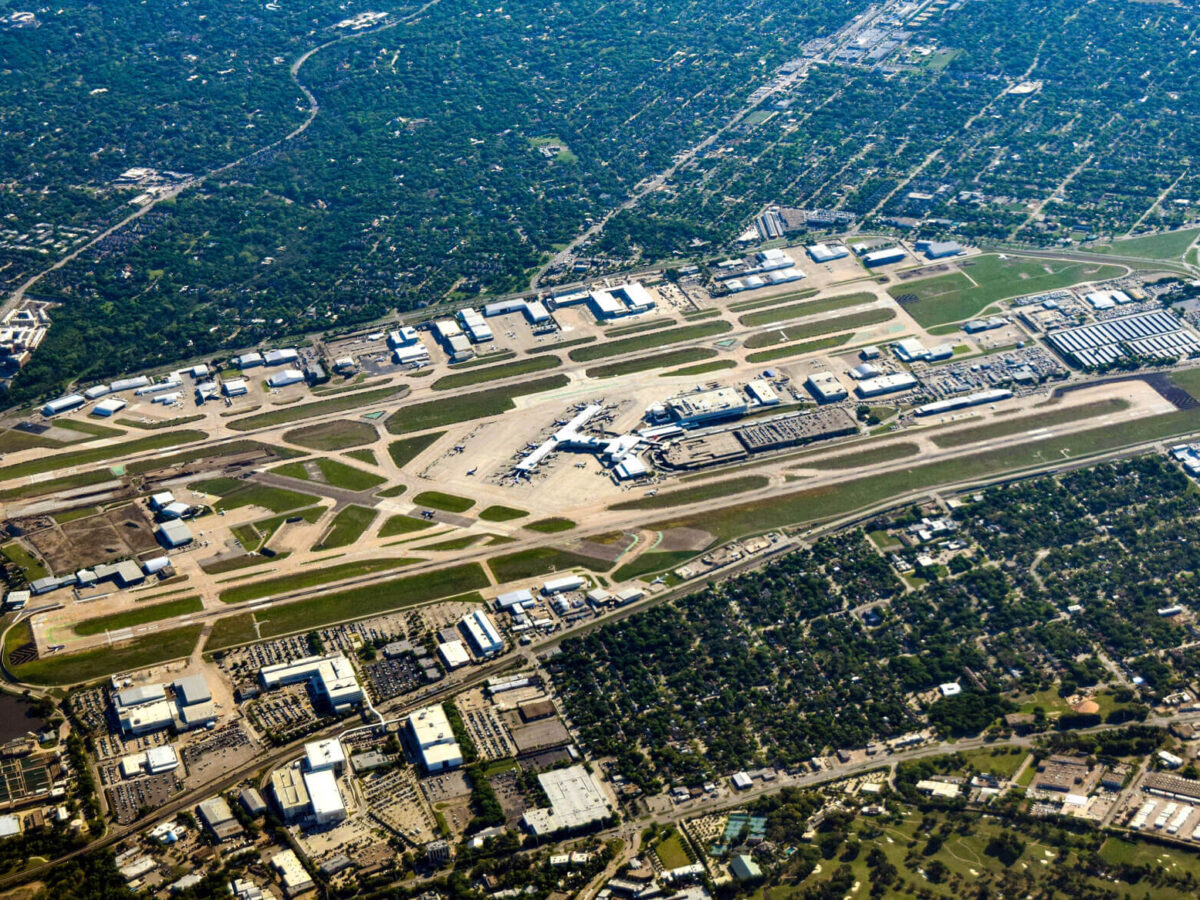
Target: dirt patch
x,y
684,539
610,552
87,542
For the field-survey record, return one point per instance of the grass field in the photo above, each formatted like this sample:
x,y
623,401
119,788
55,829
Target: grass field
x,y
230,631
16,554
71,458
502,514
1002,762
796,310
650,341
364,456
1005,427
355,400
825,343
553,525
92,664
652,325
348,526
235,493
491,373
820,327
374,599
311,578
140,615
704,368
542,561
863,457
67,482
706,491
336,474
562,345
13,441
772,301
988,279
340,434
813,504
93,429
654,561
671,852
444,502
662,360
253,535
436,413
403,525
405,450
1168,245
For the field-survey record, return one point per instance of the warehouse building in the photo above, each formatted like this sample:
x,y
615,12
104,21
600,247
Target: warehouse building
x,y
576,801
885,384
1156,334
331,676
563,584
174,533
825,387
284,378
975,399
482,633
292,874
938,249
284,357
96,391
433,739
416,355
110,407
248,360
823,253
405,336
624,300
454,654
475,327
218,818
62,405
884,257
234,387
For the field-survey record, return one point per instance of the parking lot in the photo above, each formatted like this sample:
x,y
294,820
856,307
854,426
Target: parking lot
x,y
127,798
388,678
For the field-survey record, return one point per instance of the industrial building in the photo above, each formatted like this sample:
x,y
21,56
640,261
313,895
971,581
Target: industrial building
x,y
326,754
414,355
290,794
825,387
173,533
762,393
454,654
884,257
1107,299
147,708
106,408
700,407
433,739
911,350
624,300
563,584
885,384
215,814
823,253
62,405
234,387
938,249
284,378
324,797
332,678
285,356
153,761
1156,334
975,399
576,801
292,874
477,329
405,336
248,360
482,633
